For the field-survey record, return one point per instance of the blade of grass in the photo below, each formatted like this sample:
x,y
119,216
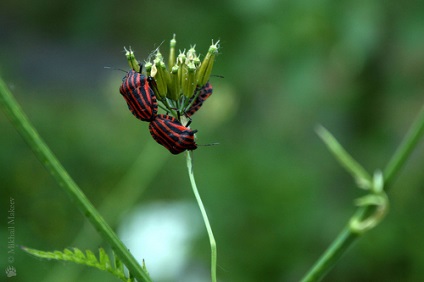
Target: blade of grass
x,y
19,120
142,172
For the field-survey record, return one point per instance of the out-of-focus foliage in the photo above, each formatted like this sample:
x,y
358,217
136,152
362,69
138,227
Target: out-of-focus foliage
x,y
275,196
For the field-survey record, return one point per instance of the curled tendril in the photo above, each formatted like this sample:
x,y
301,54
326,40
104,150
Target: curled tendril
x,y
361,225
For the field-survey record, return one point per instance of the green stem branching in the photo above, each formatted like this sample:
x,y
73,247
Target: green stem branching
x,y
349,235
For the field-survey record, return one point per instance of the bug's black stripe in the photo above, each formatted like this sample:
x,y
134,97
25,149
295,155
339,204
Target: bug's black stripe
x,y
136,79
188,142
185,135
139,96
154,103
194,108
163,130
131,98
172,135
142,100
137,91
163,127
175,126
204,93
141,111
161,140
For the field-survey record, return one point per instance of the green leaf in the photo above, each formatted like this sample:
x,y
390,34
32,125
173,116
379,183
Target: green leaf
x,y
66,252
361,176
118,263
79,256
89,259
58,255
104,259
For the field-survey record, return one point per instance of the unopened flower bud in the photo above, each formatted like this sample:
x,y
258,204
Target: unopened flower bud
x,y
189,84
148,68
205,69
181,59
197,61
160,82
191,53
174,87
172,56
132,61
182,70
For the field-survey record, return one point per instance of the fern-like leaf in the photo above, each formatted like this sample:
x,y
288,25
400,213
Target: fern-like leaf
x,y
89,259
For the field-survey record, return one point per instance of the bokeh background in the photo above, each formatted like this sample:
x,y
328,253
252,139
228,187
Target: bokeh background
x,y
276,198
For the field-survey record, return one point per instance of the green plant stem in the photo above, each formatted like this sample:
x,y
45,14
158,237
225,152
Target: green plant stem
x,y
409,142
205,217
331,255
50,162
347,237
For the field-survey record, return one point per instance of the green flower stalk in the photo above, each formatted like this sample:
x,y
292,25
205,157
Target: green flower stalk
x,y
159,75
183,70
189,84
174,89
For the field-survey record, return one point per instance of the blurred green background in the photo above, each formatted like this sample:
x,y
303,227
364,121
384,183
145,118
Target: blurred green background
x,y
275,196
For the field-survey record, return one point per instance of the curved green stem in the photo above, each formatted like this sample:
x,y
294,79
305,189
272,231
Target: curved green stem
x,y
348,235
205,217
51,163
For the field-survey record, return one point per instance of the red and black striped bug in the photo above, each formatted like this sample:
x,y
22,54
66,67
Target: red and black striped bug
x,y
171,134
140,98
204,93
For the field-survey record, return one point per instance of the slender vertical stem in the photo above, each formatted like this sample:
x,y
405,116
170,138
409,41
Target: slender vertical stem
x,y
205,217
19,120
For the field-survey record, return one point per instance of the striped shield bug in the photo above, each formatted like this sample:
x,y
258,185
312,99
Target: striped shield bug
x,y
171,134
140,98
203,93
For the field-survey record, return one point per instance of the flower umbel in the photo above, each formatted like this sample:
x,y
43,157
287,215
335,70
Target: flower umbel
x,y
181,88
177,84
